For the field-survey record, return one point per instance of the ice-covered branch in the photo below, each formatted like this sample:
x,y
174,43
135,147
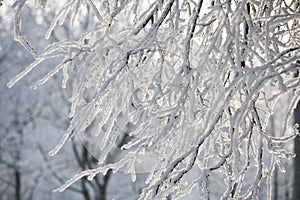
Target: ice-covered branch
x,y
192,83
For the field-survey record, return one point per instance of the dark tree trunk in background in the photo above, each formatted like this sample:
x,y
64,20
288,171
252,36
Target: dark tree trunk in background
x,y
104,185
296,188
18,184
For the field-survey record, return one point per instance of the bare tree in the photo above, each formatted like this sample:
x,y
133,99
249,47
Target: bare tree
x,y
195,81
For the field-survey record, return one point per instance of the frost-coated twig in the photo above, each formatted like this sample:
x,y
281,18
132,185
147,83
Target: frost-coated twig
x,y
18,27
195,82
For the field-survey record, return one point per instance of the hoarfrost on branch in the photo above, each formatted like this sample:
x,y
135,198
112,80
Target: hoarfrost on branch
x,y
192,83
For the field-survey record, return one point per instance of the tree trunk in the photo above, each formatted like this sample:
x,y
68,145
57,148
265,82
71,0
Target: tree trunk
x,y
18,184
296,188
